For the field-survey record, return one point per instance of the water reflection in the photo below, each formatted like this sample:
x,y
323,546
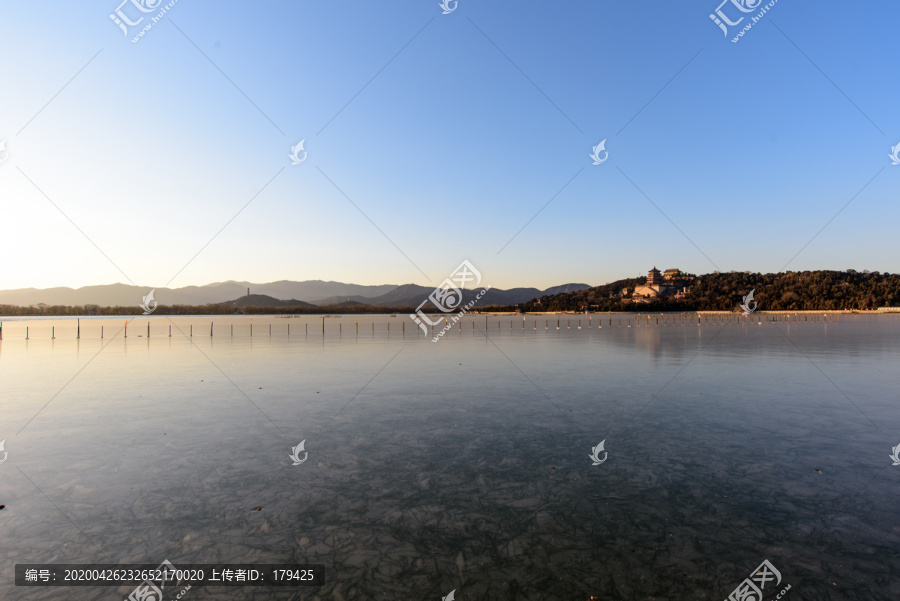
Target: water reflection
x,y
458,465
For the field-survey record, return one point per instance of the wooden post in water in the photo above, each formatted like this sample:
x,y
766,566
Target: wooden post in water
x,y
26,332
340,328
289,329
357,327
323,325
210,330
270,329
53,333
126,328
306,329
192,330
78,330
170,330
232,330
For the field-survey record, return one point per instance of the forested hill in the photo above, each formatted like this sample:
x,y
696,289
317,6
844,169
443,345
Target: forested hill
x,y
791,291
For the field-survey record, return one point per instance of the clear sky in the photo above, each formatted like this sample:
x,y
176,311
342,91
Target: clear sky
x,y
435,138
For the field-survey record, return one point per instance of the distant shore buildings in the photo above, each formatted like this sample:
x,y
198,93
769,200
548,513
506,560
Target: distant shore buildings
x,y
672,282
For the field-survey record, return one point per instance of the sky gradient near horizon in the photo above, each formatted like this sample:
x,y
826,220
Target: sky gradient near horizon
x,y
435,138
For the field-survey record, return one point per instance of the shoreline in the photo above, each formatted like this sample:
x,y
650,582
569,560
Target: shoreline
x,y
402,315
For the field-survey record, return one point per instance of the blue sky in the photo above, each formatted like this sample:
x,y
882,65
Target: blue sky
x,y
435,138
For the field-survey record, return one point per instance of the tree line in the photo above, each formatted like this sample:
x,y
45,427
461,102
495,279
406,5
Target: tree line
x,y
790,291
83,310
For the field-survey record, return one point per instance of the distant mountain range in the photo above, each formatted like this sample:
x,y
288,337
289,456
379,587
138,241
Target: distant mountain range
x,y
275,294
261,300
123,295
411,295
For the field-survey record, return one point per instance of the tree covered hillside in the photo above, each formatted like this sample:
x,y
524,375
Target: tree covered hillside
x,y
791,291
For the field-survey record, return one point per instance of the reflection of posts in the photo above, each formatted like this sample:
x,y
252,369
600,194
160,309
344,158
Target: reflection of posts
x,y
419,317
448,296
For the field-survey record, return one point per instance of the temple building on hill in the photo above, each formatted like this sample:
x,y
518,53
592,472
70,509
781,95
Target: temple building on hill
x,y
671,274
671,282
654,287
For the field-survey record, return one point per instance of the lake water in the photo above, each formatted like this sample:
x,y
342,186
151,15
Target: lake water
x,y
459,465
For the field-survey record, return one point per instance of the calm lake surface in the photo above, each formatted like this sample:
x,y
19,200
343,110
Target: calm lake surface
x,y
459,465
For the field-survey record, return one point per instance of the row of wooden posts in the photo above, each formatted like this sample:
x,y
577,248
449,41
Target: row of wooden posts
x,y
677,319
